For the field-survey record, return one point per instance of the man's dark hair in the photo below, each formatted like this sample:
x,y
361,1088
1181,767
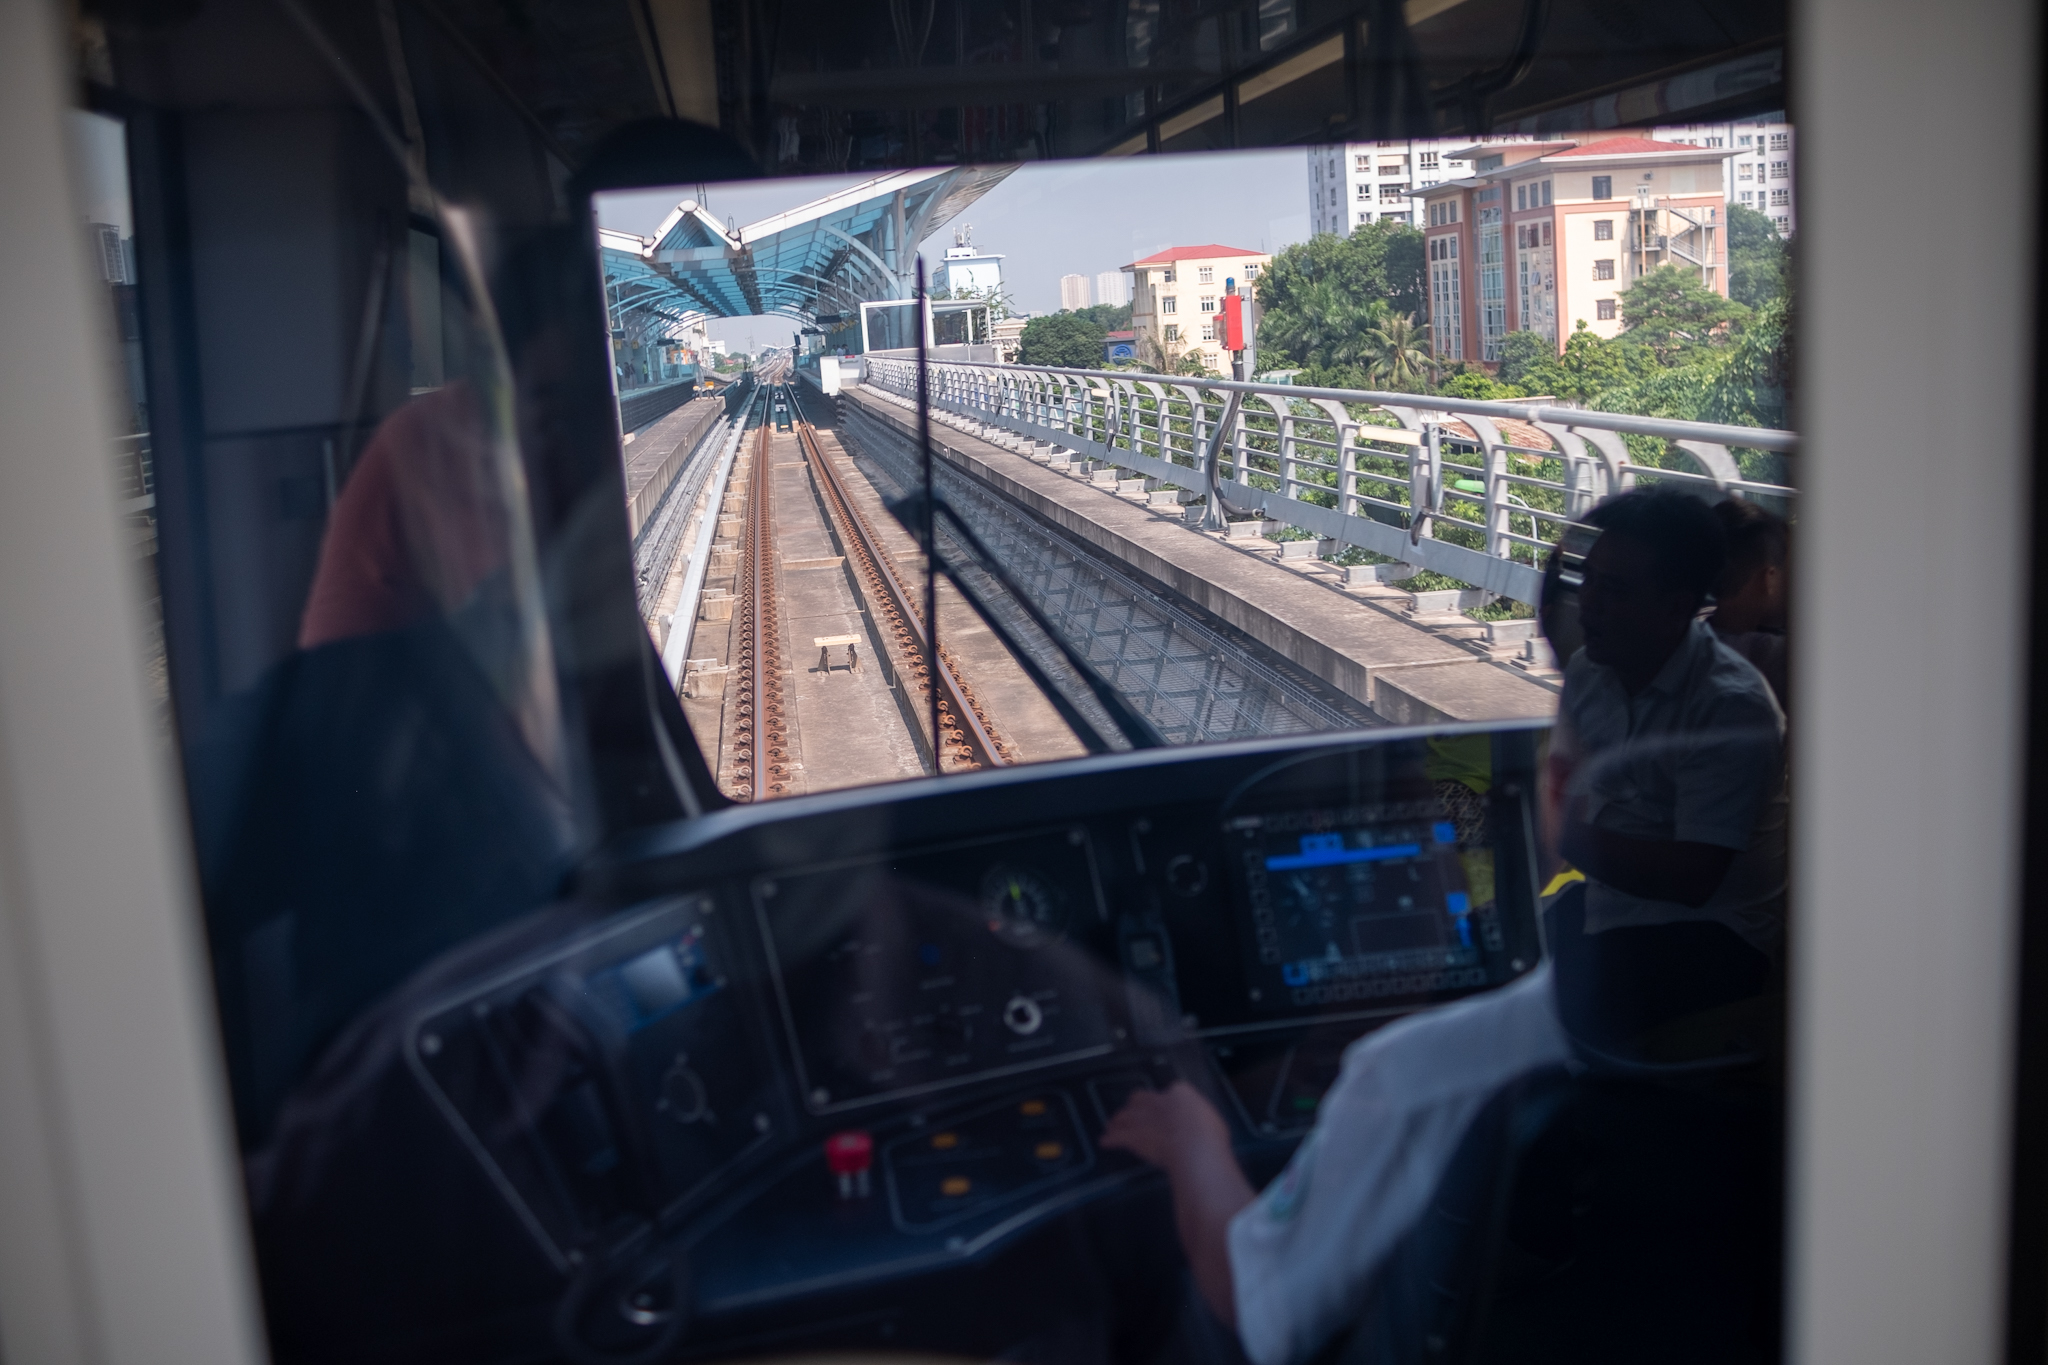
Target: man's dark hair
x,y
1756,539
1681,533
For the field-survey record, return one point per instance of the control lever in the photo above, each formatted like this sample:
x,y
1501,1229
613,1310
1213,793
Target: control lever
x,y
850,1155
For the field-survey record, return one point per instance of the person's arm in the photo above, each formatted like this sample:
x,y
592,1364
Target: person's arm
x,y
1179,1131
1657,869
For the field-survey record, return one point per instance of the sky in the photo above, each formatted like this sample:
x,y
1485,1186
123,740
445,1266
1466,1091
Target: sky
x,y
1048,219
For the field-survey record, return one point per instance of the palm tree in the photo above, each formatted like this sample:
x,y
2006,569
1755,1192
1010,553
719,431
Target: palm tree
x,y
1324,328
1396,351
1155,355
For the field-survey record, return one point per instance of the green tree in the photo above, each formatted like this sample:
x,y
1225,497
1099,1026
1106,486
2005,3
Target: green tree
x,y
1672,314
1520,352
1396,352
1323,328
1759,260
1590,366
1754,387
1380,265
1167,357
1476,384
1110,317
1405,264
1066,340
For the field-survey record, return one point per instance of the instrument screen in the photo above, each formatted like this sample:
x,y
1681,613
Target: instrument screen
x,y
1356,885
930,970
1358,904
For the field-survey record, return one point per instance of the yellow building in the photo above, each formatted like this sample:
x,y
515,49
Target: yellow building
x,y
1177,293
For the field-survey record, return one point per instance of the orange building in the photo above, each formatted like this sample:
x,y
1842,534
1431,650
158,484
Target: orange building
x,y
1545,235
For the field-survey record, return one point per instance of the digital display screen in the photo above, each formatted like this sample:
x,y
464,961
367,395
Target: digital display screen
x,y
1361,904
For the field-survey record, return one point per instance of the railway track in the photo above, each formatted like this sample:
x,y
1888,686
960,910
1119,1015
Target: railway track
x,y
967,738
767,754
761,765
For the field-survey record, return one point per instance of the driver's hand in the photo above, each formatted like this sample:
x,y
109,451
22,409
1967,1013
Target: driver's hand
x,y
1169,1128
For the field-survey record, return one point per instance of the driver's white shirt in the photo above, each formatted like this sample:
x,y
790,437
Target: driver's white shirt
x,y
1301,1252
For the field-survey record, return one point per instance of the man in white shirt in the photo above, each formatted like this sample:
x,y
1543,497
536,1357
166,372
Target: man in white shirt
x,y
1670,762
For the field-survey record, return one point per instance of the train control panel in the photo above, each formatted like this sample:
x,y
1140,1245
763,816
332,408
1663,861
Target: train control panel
x,y
831,1045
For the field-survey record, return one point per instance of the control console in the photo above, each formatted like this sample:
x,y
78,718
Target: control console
x,y
903,976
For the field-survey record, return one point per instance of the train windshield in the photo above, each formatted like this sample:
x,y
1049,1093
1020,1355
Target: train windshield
x,y
1168,451
775,762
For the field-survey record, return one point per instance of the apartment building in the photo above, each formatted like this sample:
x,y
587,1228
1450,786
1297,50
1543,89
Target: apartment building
x,y
1177,293
1073,292
1113,287
1760,168
1542,236
1364,182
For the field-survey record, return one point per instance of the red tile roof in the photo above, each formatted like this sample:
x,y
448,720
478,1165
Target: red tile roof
x,y
1193,253
1624,146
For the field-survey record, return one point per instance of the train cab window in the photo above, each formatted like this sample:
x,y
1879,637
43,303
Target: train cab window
x,y
1132,550
780,763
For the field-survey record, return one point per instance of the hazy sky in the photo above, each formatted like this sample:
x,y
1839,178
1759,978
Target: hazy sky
x,y
1049,219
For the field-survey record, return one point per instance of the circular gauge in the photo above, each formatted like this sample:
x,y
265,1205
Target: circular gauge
x,y
1023,909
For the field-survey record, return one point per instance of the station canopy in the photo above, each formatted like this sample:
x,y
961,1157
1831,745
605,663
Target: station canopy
x,y
817,263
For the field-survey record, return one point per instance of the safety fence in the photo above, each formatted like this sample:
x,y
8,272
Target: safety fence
x,y
1476,491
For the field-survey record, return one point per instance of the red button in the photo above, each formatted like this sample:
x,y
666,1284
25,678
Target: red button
x,y
849,1153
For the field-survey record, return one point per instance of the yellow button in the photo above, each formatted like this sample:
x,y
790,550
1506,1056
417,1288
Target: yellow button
x,y
1031,1109
953,1186
1049,1151
945,1142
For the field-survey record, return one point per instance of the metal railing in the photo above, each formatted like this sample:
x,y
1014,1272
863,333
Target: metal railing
x,y
1429,481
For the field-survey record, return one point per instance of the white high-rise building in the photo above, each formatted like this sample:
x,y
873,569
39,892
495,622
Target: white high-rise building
x,y
1073,291
1363,182
1113,287
1759,172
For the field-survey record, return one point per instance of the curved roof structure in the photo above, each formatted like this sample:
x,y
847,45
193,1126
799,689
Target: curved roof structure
x,y
816,262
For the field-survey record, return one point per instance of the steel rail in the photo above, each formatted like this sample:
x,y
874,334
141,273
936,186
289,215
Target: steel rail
x,y
972,741
760,730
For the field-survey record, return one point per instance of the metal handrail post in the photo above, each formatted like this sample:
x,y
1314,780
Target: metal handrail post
x,y
1216,517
